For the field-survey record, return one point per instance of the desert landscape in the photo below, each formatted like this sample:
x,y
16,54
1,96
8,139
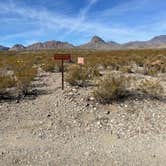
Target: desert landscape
x,y
111,112
82,83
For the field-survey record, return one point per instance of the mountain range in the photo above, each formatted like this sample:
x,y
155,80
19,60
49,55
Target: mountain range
x,y
96,43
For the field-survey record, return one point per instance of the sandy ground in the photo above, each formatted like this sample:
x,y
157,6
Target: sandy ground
x,y
63,128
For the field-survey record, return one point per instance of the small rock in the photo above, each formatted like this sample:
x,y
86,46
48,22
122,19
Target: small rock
x,y
99,124
91,98
49,115
125,106
71,94
108,112
74,90
154,155
87,105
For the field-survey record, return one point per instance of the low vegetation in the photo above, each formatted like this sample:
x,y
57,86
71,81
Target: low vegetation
x,y
7,82
111,88
151,88
80,75
18,69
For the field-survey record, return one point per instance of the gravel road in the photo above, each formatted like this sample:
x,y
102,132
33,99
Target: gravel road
x,y
67,128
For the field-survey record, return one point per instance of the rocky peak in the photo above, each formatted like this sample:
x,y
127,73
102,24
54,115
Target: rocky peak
x,y
17,47
3,48
161,38
50,45
112,43
97,39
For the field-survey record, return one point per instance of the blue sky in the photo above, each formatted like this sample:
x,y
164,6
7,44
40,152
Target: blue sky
x,y
76,21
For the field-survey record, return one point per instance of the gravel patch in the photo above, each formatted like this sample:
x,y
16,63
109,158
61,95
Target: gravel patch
x,y
69,128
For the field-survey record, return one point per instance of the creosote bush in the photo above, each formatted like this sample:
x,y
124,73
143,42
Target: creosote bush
x,y
152,88
111,88
25,77
80,75
77,75
7,82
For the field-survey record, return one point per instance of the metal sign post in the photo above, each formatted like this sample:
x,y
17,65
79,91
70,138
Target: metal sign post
x,y
62,75
62,57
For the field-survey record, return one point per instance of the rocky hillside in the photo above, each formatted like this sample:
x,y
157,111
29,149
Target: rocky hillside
x,y
156,42
17,47
3,48
50,45
99,44
96,43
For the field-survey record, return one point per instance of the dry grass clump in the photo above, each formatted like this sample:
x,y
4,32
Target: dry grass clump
x,y
23,73
48,67
77,76
25,77
154,67
126,69
80,75
7,82
151,88
111,88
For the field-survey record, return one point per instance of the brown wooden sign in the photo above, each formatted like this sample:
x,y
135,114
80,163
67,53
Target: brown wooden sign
x,y
62,57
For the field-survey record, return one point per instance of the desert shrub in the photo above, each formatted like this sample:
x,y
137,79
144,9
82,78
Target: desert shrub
x,y
149,70
111,88
154,67
48,67
77,75
126,69
18,72
25,77
46,63
152,88
7,82
92,71
81,75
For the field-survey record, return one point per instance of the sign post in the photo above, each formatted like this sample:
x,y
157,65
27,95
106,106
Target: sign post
x,y
62,57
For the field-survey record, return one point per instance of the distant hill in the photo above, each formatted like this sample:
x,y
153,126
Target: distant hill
x,y
156,42
96,43
3,48
50,45
17,47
